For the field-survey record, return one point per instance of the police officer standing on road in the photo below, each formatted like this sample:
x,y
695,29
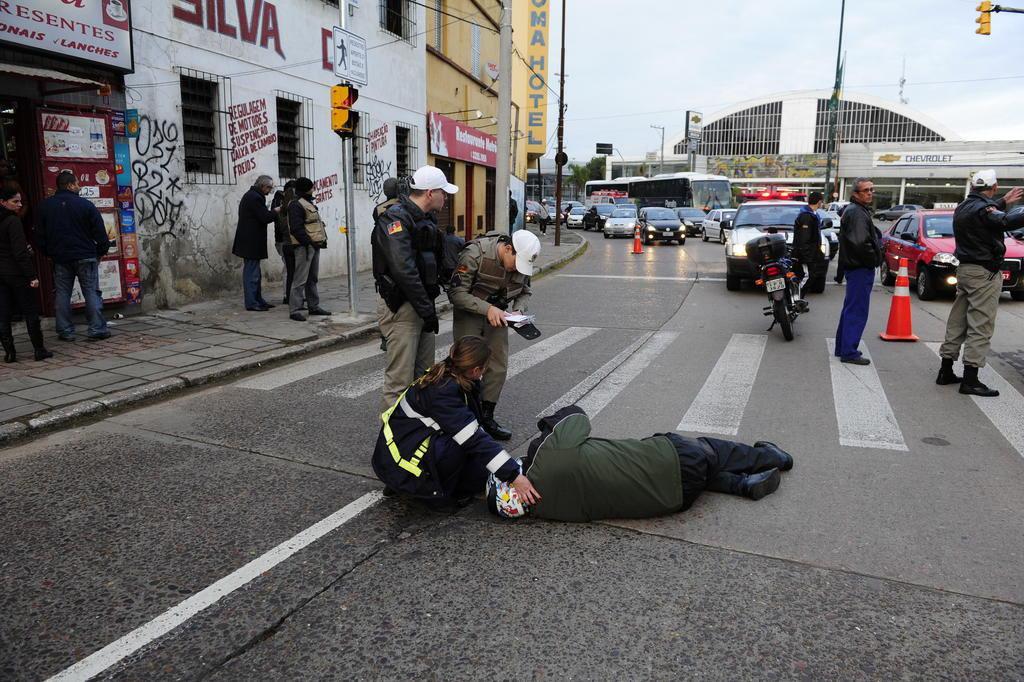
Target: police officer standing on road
x,y
807,247
493,276
406,259
979,227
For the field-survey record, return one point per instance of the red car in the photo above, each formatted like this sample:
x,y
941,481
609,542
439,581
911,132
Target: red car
x,y
925,239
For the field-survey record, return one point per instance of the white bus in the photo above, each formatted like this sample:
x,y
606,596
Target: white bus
x,y
676,190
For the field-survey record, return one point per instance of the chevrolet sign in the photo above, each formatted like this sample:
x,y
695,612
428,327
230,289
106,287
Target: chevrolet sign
x,y
913,159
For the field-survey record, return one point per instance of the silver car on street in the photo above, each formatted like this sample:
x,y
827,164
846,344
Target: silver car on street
x,y
621,222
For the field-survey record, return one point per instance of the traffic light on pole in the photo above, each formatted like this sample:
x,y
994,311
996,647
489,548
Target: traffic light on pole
x,y
344,121
984,19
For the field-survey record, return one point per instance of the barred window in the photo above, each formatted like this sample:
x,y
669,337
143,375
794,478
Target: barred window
x,y
294,135
405,149
205,101
397,18
755,130
474,51
438,25
359,152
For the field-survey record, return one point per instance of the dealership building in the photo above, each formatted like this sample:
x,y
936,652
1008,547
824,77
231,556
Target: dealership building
x,y
780,140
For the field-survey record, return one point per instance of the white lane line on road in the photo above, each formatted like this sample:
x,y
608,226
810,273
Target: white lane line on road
x,y
721,401
612,385
863,412
1005,410
304,369
582,388
96,663
518,362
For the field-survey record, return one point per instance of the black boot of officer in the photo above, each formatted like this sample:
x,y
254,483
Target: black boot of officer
x,y
971,385
496,430
946,374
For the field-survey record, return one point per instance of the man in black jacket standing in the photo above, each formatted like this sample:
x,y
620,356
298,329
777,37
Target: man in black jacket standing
x,y
406,253
807,247
251,240
71,232
979,227
860,252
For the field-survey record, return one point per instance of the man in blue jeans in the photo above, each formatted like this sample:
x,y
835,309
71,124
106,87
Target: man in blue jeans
x,y
860,252
72,234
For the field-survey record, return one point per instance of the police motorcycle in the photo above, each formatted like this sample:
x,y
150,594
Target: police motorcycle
x,y
769,254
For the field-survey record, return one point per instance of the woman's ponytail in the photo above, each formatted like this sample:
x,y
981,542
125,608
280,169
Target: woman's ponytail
x,y
465,355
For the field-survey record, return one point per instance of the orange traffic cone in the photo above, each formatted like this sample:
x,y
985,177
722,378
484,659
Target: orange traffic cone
x,y
899,327
638,244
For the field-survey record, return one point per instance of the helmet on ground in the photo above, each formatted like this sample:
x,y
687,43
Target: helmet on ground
x,y
503,499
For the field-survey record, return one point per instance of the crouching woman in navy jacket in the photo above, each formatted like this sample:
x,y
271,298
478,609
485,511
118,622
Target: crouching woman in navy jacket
x,y
431,445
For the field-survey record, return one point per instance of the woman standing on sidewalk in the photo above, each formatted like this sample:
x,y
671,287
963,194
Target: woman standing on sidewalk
x,y
18,280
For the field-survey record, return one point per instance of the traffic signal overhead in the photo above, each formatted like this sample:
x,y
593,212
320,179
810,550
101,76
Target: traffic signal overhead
x,y
984,19
344,121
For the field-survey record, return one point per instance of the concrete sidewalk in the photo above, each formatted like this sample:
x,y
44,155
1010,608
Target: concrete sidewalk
x,y
164,351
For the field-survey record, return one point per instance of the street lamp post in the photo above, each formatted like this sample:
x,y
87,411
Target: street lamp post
x,y
661,165
560,157
833,105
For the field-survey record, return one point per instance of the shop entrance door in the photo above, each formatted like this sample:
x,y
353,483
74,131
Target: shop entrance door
x,y
444,216
470,170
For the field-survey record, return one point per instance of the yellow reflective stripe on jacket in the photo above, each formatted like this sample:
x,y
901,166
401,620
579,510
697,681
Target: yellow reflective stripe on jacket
x,y
410,465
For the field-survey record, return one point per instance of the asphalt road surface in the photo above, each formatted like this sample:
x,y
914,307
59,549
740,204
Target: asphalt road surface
x,y
238,533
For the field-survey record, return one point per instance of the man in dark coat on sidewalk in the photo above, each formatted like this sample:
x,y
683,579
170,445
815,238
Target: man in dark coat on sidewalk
x,y
251,240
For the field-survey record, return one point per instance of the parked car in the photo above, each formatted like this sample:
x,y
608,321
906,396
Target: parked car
x,y
925,239
575,217
716,224
894,212
755,219
621,222
692,219
830,228
837,207
661,224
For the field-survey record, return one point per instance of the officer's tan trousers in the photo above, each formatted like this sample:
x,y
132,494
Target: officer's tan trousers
x,y
410,351
972,319
471,324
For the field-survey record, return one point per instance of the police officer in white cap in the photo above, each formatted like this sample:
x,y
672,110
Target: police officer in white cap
x,y
492,278
979,226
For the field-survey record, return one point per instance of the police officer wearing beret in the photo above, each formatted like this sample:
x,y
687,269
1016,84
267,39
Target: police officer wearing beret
x,y
406,247
979,228
492,277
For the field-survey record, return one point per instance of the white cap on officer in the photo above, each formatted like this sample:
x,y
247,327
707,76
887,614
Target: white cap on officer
x,y
527,247
984,178
431,177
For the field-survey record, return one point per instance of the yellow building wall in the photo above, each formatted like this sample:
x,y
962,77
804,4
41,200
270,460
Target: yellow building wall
x,y
450,89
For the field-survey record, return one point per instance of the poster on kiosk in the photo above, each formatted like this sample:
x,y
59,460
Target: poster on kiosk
x,y
81,142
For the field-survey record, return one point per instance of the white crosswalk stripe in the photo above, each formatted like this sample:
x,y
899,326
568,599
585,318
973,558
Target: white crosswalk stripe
x,y
582,388
304,369
518,362
719,406
863,413
1005,410
605,391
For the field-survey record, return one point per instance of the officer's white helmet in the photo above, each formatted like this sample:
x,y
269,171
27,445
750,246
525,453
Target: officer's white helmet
x,y
503,499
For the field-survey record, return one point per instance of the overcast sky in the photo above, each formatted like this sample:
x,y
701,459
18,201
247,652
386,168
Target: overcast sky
x,y
636,63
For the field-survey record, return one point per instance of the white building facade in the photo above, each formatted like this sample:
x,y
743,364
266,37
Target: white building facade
x,y
228,91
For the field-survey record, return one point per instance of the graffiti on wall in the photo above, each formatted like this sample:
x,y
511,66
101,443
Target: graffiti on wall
x,y
249,133
377,170
323,188
158,194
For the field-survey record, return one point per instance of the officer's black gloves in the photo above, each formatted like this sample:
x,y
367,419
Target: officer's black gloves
x,y
431,324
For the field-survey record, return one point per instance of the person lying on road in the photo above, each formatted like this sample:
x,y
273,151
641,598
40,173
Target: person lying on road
x,y
580,478
431,445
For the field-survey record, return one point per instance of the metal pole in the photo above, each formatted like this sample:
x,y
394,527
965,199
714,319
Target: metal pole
x,y
561,130
502,173
350,223
834,108
661,165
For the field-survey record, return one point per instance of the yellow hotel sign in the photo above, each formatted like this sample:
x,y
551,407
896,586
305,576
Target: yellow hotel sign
x,y
537,90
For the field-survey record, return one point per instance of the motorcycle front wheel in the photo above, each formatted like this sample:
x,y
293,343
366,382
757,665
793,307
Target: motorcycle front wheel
x,y
782,317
